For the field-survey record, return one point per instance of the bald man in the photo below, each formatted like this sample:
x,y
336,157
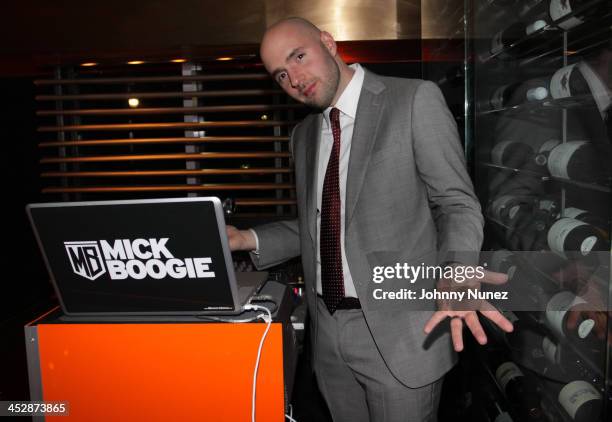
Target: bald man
x,y
380,180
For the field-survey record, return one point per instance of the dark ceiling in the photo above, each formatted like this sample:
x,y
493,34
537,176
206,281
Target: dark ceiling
x,y
36,34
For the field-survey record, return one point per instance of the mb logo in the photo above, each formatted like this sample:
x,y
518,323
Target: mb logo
x,y
86,259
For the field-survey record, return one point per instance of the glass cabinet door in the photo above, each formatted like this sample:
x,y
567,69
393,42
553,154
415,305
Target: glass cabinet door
x,y
542,134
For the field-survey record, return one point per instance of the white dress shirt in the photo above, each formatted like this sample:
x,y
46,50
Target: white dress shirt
x,y
347,104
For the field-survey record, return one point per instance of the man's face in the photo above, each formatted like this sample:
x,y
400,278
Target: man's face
x,y
302,65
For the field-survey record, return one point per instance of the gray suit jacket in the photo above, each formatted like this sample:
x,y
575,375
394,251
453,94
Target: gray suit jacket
x,y
408,199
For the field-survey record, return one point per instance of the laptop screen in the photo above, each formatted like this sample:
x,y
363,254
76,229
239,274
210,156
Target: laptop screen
x,y
143,257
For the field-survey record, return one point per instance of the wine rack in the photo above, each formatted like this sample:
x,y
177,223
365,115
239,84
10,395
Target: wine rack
x,y
540,73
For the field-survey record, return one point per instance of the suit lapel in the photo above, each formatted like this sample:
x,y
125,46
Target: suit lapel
x,y
367,119
313,139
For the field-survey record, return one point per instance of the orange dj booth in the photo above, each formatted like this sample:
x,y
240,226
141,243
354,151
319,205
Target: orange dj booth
x,y
161,369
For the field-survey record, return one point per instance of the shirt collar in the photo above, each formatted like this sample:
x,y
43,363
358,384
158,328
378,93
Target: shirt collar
x,y
347,103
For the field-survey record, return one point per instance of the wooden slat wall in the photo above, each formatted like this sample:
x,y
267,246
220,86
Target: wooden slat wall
x,y
223,133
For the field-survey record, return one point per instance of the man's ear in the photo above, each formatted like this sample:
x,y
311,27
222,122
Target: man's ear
x,y
329,42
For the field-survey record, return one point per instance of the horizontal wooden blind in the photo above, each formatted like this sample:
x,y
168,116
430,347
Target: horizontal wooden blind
x,y
141,132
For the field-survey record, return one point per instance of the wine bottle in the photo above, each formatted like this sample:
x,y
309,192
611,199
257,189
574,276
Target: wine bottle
x,y
575,160
564,14
583,335
570,238
502,261
524,292
486,401
529,292
558,310
532,345
577,79
530,225
518,93
532,348
580,399
548,207
541,157
521,338
506,42
578,214
496,334
598,223
546,212
567,14
507,209
511,154
509,376
565,363
520,391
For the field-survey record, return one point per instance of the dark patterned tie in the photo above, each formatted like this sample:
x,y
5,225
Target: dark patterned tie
x,y
608,146
332,279
608,122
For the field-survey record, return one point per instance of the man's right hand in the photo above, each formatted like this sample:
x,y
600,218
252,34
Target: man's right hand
x,y
461,313
240,240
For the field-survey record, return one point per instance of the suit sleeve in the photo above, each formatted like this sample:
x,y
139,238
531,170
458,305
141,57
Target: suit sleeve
x,y
278,241
441,165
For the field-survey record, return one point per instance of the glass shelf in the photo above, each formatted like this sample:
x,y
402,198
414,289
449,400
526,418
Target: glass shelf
x,y
549,178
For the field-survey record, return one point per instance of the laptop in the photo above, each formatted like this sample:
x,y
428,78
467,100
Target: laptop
x,y
141,257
